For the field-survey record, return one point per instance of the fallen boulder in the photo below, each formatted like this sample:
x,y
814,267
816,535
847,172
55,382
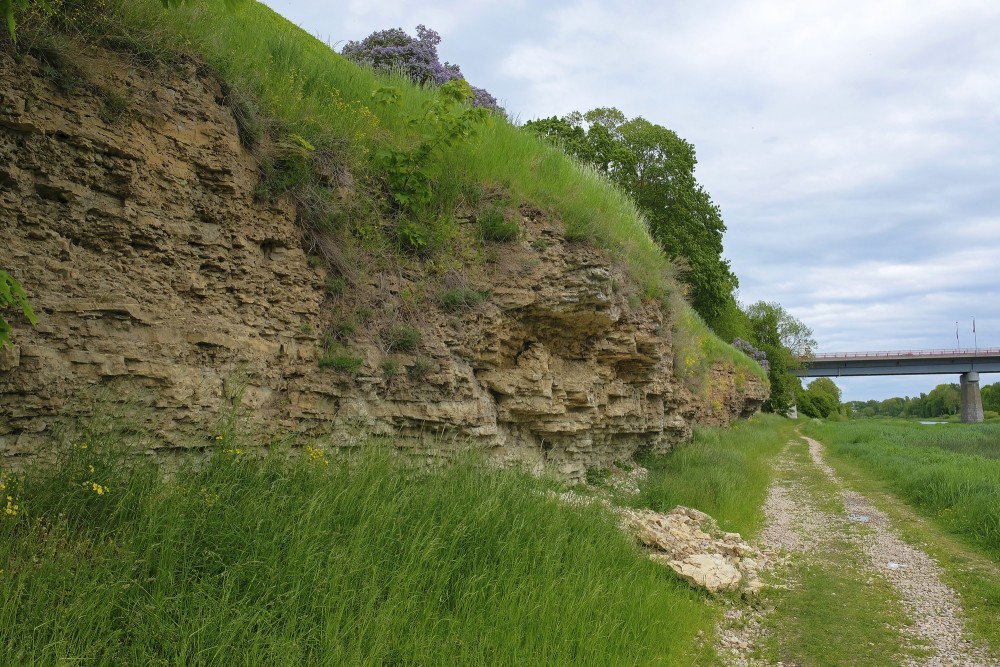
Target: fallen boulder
x,y
691,543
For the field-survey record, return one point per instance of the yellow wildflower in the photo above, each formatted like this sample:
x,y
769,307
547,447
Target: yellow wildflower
x,y
10,509
316,455
99,489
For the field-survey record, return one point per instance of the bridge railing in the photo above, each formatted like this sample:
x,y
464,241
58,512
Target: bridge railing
x,y
905,354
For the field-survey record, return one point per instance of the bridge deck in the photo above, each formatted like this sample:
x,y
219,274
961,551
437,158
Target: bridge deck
x,y
901,362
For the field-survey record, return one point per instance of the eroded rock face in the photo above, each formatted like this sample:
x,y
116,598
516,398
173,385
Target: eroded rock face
x,y
157,275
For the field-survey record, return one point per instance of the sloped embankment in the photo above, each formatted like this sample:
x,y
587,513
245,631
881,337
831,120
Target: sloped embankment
x,y
129,216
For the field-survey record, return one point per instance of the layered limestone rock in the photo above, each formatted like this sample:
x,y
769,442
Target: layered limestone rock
x,y
163,285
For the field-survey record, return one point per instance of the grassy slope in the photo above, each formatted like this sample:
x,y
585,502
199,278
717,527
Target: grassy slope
x,y
314,92
725,473
271,562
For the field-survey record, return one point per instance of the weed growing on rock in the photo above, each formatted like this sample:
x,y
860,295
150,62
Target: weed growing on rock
x,y
390,368
420,368
340,359
494,226
453,300
402,338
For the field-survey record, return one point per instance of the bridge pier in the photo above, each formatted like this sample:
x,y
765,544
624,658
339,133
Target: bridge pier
x,y
972,400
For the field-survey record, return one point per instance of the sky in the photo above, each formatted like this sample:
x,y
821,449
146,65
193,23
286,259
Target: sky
x,y
853,146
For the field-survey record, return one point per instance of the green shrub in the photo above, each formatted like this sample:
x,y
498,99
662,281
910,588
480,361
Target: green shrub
x,y
335,286
402,338
338,331
390,368
598,476
494,226
116,107
420,368
459,298
340,359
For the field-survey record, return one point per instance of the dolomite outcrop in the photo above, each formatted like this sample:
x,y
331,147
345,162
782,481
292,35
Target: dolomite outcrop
x,y
165,289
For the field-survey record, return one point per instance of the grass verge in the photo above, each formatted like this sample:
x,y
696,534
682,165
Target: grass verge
x,y
300,561
950,473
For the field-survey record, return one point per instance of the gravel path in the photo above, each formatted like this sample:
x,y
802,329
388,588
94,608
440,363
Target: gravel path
x,y
796,525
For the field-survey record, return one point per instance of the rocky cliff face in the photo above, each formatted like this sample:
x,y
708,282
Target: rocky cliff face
x,y
157,275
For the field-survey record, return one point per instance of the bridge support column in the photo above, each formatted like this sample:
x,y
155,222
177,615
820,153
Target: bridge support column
x,y
972,400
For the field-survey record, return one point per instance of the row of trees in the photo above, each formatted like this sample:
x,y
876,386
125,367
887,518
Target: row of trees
x,y
942,401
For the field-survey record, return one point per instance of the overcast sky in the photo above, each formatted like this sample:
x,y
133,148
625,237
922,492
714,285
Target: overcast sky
x,y
852,145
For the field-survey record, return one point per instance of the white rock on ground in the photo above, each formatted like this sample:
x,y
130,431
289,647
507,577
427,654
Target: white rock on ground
x,y
692,545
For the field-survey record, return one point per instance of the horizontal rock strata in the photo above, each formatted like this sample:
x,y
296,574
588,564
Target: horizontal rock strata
x,y
166,291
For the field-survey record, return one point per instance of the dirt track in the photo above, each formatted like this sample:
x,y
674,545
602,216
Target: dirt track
x,y
796,525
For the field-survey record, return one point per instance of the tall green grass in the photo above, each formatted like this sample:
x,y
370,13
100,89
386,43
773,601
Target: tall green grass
x,y
298,562
696,348
724,472
950,472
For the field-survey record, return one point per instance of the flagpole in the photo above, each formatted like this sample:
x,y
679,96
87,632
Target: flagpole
x,y
958,341
975,338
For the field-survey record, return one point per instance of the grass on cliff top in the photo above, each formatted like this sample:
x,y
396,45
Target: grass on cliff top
x,y
273,562
696,348
280,72
321,96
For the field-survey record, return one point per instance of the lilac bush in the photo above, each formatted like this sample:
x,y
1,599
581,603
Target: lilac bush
x,y
417,58
757,355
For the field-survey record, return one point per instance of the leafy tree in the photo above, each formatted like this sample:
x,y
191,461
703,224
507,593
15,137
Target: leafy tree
x,y
393,49
991,397
656,167
786,341
820,399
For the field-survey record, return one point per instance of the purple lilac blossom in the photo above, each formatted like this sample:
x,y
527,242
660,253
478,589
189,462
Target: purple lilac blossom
x,y
417,58
757,355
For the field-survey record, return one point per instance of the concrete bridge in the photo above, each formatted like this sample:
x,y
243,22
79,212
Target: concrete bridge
x,y
966,363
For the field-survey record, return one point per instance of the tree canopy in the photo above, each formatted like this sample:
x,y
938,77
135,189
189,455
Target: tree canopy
x,y
820,399
656,167
784,340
